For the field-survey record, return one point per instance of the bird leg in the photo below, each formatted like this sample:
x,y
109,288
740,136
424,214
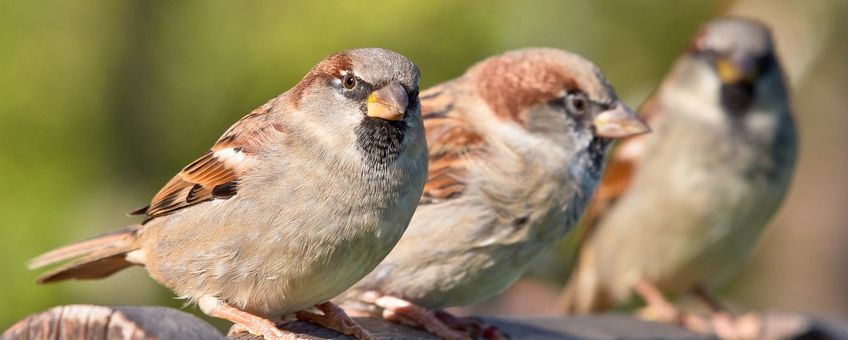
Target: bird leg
x,y
658,308
244,321
725,325
703,294
719,321
408,313
469,324
335,318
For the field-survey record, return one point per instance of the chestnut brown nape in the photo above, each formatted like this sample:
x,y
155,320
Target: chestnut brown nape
x,y
509,85
330,67
514,81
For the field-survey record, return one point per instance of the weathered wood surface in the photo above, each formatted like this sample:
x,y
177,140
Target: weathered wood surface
x,y
111,322
118,322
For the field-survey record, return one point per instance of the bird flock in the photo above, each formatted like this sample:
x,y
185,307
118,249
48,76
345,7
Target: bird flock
x,y
354,193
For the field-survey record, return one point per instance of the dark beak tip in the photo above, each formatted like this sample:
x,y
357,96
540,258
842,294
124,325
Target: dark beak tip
x,y
619,121
397,94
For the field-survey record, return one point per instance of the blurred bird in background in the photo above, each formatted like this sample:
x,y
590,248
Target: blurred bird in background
x,y
679,210
517,146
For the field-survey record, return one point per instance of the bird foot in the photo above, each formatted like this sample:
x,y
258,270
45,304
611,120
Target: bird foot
x,y
725,326
335,318
719,323
243,321
410,314
662,314
475,326
658,308
237,328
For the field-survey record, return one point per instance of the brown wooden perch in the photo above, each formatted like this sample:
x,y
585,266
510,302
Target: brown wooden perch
x,y
124,322
111,322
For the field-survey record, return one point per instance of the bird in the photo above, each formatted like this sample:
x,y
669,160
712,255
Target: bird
x,y
680,209
516,149
291,206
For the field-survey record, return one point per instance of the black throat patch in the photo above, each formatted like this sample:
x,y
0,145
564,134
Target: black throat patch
x,y
737,97
380,140
597,152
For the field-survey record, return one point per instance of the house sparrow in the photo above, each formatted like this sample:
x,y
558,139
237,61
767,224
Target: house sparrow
x,y
294,204
679,209
516,149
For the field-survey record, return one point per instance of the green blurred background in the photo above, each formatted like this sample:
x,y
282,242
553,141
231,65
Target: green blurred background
x,y
102,101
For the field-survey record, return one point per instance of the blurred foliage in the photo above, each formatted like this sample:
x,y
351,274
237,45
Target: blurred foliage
x,y
103,101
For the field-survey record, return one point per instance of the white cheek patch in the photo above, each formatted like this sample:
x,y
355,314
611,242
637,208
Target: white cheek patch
x,y
698,97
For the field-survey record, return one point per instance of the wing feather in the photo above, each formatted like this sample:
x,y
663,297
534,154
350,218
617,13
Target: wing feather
x,y
215,175
452,144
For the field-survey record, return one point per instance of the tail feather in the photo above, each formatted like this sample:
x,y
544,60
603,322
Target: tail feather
x,y
90,259
90,267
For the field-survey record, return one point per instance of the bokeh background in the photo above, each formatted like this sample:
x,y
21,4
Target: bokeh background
x,y
102,101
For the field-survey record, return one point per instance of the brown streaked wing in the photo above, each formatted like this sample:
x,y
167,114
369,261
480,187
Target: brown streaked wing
x,y
452,144
215,175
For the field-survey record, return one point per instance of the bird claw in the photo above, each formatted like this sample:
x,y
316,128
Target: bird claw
x,y
268,332
474,326
725,326
410,314
237,328
439,323
243,321
336,319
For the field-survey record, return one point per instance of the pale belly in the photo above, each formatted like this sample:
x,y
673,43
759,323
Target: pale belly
x,y
492,272
460,272
697,240
265,267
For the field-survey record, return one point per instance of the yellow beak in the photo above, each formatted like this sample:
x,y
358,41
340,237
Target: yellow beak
x,y
731,72
619,122
388,103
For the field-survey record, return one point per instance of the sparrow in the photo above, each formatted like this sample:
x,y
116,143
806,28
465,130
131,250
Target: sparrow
x,y
294,204
679,210
516,149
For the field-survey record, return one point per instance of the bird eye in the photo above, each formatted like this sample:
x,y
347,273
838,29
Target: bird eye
x,y
349,81
577,103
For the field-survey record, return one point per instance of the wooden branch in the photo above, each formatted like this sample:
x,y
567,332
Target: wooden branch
x,y
120,322
111,322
